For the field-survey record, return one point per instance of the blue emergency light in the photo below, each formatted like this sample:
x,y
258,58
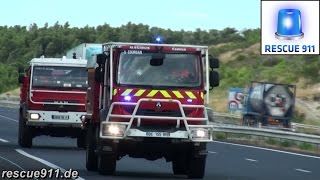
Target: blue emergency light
x,y
289,24
158,39
127,98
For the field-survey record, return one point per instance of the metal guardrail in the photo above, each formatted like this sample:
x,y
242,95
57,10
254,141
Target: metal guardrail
x,y
9,101
237,116
306,126
230,123
309,138
10,104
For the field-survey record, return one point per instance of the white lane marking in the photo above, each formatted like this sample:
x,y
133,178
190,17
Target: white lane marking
x,y
212,152
252,160
302,170
9,118
3,140
11,162
43,161
267,149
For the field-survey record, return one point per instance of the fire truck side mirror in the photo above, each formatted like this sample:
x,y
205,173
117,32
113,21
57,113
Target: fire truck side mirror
x,y
214,79
21,78
214,62
101,59
20,70
99,74
21,75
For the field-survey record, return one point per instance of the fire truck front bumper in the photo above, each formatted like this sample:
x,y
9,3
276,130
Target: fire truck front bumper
x,y
117,131
125,130
54,118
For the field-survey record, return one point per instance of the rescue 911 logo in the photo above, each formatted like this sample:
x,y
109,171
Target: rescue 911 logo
x,y
290,27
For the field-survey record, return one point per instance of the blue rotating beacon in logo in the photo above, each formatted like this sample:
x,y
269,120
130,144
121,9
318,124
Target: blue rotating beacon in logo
x,y
289,25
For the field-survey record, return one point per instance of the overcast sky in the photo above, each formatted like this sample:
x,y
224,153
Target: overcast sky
x,y
173,14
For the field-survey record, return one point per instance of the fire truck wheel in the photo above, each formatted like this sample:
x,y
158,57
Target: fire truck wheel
x,y
179,165
81,141
197,167
91,157
107,164
25,134
197,163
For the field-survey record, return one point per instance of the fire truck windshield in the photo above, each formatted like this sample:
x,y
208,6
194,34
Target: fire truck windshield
x,y
177,70
59,77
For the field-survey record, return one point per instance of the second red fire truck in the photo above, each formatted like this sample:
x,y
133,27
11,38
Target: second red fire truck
x,y
52,99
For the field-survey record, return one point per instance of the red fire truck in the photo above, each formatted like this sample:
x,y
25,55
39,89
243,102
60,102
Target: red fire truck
x,y
147,101
52,99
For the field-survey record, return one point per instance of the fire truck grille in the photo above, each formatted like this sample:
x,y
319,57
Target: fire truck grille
x,y
159,127
61,101
61,108
151,112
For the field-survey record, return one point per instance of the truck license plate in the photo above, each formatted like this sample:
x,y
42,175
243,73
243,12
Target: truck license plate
x,y
157,134
60,117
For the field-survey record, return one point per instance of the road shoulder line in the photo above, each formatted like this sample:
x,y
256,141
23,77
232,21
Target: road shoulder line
x,y
11,162
11,119
20,151
267,149
3,140
302,170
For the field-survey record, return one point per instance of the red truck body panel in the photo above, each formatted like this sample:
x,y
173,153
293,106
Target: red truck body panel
x,y
51,97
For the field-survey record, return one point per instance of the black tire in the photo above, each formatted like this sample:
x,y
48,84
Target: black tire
x,y
197,162
180,164
197,166
81,140
245,120
91,156
250,121
24,134
107,164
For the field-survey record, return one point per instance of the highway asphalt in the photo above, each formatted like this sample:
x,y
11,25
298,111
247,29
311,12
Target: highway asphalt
x,y
225,161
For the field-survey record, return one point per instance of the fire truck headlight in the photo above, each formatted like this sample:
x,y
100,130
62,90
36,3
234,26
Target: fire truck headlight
x,y
82,117
200,133
34,116
113,130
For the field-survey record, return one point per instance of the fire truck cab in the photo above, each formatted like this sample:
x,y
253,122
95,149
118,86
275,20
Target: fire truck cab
x,y
147,101
52,99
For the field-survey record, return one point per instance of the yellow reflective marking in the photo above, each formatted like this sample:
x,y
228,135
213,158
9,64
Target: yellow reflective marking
x,y
140,92
201,94
115,92
126,92
178,94
191,95
152,93
165,94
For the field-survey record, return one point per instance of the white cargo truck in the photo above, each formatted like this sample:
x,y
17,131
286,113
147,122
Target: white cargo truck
x,y
84,51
